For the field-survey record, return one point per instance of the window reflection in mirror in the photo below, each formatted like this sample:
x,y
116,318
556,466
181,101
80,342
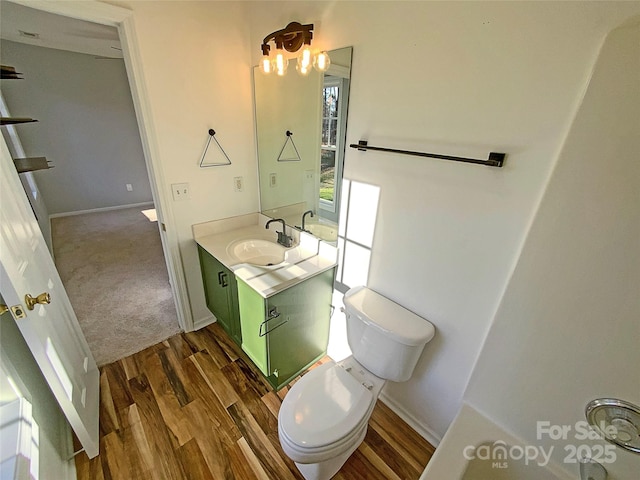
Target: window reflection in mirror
x,y
314,110
334,96
330,99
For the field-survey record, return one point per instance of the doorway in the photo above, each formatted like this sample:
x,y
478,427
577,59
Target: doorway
x,y
88,185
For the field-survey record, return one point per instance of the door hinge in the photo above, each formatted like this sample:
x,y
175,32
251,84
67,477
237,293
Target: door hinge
x,y
73,454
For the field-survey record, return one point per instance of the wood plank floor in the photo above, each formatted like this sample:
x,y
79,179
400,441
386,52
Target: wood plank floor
x,y
194,407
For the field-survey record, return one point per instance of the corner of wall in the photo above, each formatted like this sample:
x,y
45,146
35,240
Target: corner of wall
x,y
577,104
423,430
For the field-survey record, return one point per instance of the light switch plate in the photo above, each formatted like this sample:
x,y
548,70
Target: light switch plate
x,y
180,191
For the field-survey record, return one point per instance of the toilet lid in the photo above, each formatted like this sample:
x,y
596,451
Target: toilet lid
x,y
323,407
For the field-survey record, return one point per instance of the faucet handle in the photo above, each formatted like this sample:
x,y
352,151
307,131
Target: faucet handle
x,y
284,239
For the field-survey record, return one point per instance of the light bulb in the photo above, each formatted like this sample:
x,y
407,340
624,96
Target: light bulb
x,y
322,61
280,63
265,65
303,70
304,63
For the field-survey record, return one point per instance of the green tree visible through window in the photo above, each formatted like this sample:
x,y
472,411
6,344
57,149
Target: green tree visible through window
x,y
330,110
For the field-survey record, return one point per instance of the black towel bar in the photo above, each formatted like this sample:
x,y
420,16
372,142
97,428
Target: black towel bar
x,y
495,159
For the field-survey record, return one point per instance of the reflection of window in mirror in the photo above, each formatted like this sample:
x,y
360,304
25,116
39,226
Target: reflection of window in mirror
x,y
334,98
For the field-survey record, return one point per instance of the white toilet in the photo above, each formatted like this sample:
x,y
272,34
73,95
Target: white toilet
x,y
323,419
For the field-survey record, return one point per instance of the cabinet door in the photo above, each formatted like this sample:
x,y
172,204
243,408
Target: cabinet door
x,y
299,336
216,279
252,317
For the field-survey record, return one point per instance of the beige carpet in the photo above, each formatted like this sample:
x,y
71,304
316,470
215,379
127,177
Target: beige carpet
x,y
113,268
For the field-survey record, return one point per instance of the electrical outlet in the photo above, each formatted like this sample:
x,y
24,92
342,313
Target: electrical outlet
x,y
308,174
273,180
180,191
238,184
129,187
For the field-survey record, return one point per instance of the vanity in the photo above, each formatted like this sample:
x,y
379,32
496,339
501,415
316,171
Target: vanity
x,y
273,301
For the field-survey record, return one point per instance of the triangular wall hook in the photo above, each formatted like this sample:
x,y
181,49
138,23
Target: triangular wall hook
x,y
289,155
212,134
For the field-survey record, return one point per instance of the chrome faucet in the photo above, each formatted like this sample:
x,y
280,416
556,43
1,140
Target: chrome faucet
x,y
304,215
283,239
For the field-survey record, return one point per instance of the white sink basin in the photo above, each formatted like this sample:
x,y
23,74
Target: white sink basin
x,y
255,251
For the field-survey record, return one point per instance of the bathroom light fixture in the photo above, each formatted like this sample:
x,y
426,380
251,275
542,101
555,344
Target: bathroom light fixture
x,y
292,38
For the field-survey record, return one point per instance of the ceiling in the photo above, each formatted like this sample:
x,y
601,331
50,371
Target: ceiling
x,y
36,27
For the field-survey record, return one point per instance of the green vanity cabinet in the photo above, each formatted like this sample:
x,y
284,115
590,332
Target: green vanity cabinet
x,y
221,293
286,333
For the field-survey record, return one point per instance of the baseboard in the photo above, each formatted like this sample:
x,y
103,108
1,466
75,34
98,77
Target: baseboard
x,y
423,430
101,209
203,322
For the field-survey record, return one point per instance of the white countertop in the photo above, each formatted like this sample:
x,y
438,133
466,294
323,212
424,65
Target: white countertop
x,y
308,256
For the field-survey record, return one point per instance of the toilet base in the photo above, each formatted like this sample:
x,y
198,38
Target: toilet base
x,y
327,469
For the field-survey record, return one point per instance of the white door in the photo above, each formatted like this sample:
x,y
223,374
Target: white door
x,y
51,330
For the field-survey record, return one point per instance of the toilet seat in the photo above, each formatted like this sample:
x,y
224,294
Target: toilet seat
x,y
326,410
321,454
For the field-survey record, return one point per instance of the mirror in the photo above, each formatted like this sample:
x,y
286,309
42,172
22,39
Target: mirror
x,y
301,135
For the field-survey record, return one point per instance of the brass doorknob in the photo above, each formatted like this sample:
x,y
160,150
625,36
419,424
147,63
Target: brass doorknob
x,y
41,299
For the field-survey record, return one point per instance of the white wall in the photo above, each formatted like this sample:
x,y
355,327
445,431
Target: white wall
x,y
567,328
87,127
462,79
197,74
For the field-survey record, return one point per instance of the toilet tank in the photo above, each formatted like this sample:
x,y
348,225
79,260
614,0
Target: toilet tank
x,y
386,338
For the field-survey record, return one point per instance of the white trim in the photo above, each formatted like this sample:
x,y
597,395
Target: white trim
x,y
423,430
123,19
91,11
168,234
101,209
203,322
339,71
